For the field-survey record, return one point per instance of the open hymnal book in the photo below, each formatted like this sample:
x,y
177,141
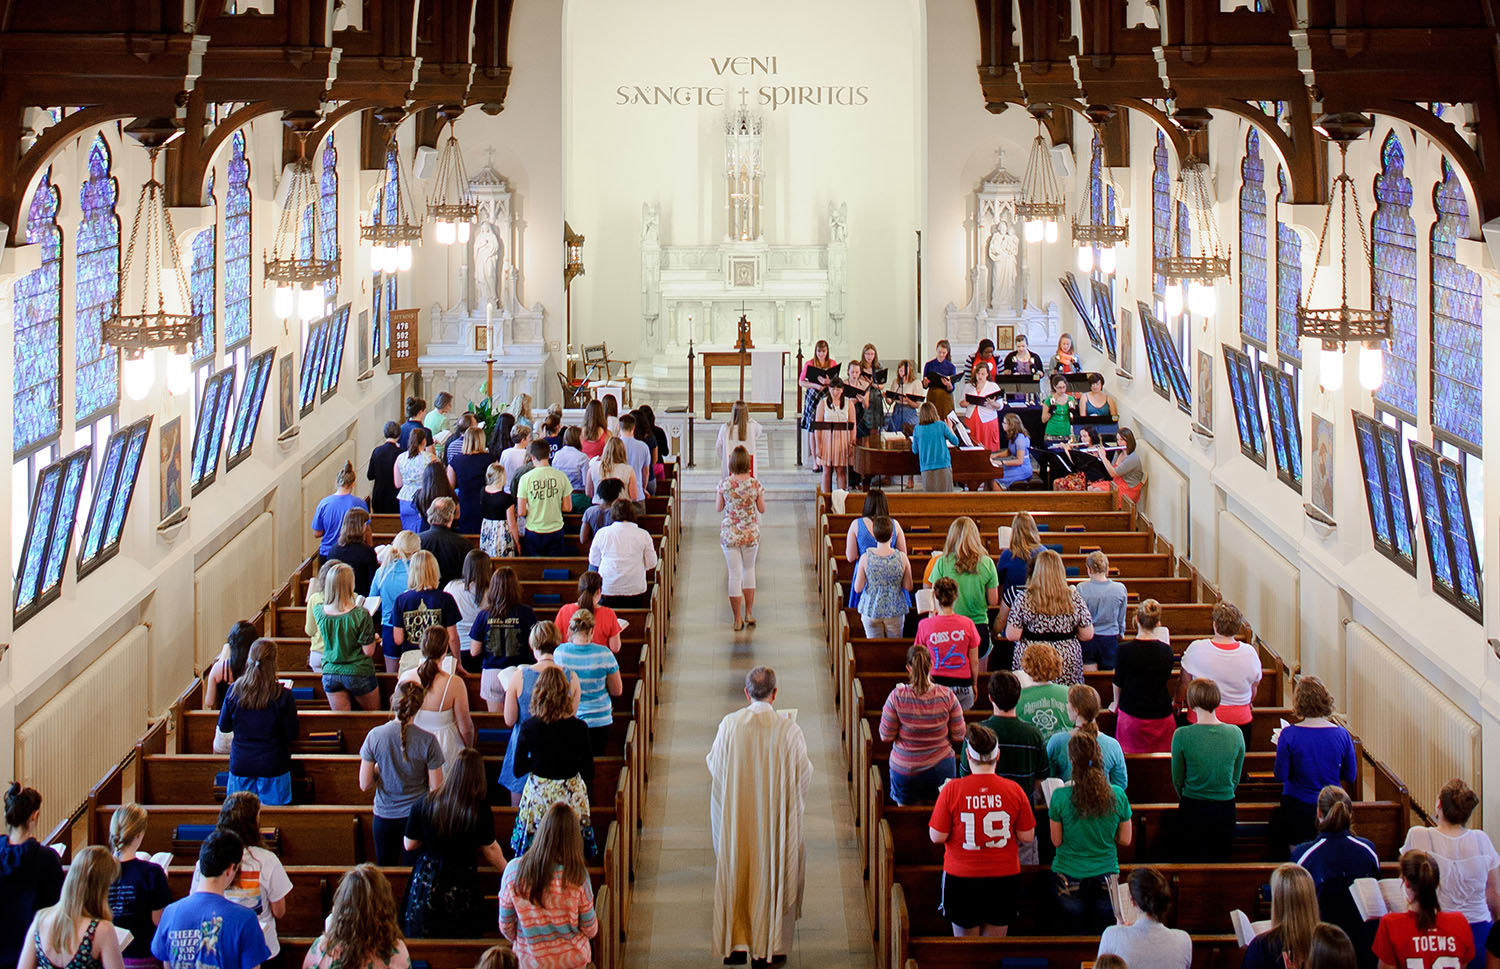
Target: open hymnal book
x,y
926,603
815,374
1125,911
623,624
162,859
989,398
124,935
960,430
790,713
1050,786
1244,929
372,605
1376,898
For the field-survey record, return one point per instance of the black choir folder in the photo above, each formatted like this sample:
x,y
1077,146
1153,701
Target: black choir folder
x,y
879,376
912,399
818,373
984,398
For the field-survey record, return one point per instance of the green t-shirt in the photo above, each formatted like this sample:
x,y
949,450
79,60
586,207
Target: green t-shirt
x,y
973,587
435,421
1045,707
1088,844
344,639
1207,759
544,490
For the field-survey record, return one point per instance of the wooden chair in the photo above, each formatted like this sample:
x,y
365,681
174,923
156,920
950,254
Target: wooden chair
x,y
575,392
596,360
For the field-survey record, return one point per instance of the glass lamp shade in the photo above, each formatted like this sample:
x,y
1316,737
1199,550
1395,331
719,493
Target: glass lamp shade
x,y
1033,230
463,232
282,301
1085,259
309,302
138,375
403,258
1201,299
1107,260
179,374
1173,299
445,232
1331,369
1371,367
1049,230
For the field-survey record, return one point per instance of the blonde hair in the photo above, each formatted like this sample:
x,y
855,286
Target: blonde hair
x,y
404,545
423,572
963,546
345,476
1294,910
1013,427
85,896
1025,538
495,474
739,419
338,588
127,824
1047,590
581,622
919,669
614,453
1097,563
474,440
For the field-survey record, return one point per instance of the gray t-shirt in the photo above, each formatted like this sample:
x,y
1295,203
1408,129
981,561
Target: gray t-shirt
x,y
402,776
1130,469
1146,944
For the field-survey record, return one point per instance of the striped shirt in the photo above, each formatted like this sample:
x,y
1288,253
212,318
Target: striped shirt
x,y
924,728
554,935
593,664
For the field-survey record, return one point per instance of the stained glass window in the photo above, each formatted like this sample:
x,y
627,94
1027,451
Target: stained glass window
x,y
237,246
1161,214
1104,309
312,364
209,433
112,494
1244,392
248,407
1288,280
377,322
1286,424
205,275
1253,243
54,512
1175,372
1385,490
328,215
1451,547
1457,315
97,373
333,354
1084,308
388,306
1394,247
1149,328
38,328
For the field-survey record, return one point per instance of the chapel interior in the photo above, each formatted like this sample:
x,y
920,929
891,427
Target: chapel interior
x,y
240,234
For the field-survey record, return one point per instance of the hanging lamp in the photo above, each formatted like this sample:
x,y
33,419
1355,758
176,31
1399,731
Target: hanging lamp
x,y
1098,240
1208,258
299,276
1337,327
452,206
391,242
1042,202
166,318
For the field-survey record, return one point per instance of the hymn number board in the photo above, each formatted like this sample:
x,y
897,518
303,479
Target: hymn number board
x,y
403,355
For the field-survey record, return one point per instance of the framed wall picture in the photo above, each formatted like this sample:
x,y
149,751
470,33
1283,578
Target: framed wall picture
x,y
364,342
1127,341
287,392
1005,337
481,338
171,467
1321,458
1205,390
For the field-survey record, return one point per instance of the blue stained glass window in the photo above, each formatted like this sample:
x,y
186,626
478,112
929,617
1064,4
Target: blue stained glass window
x,y
1253,242
38,534
1276,418
377,322
209,433
389,305
237,246
205,274
392,183
54,512
93,532
1153,352
37,322
1395,487
1286,424
333,355
1176,373
247,409
328,214
1288,281
112,494
1461,534
1365,432
126,486
1161,212
97,373
1432,521
1245,395
1394,247
1457,318
312,365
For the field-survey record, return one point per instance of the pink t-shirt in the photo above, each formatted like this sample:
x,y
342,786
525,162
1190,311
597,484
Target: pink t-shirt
x,y
949,639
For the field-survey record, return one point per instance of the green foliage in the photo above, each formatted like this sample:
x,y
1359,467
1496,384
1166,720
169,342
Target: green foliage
x,y
485,411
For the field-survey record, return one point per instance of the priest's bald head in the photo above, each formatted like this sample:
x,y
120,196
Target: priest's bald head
x,y
760,685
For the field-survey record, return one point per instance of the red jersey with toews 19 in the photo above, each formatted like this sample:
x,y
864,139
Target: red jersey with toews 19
x,y
982,814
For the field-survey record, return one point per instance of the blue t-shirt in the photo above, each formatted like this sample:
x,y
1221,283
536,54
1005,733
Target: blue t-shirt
x,y
140,890
406,432
329,519
1062,767
1020,447
593,664
1013,572
1106,601
504,638
389,582
418,610
1310,758
208,931
931,441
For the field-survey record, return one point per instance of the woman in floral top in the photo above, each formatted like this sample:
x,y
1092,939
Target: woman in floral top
x,y
743,501
1051,611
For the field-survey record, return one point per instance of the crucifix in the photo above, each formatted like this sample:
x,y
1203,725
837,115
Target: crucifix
x,y
743,344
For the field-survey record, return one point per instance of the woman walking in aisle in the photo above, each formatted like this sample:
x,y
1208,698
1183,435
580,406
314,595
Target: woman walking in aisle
x,y
742,499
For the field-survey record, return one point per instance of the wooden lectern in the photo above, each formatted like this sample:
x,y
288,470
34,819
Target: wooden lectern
x,y
743,344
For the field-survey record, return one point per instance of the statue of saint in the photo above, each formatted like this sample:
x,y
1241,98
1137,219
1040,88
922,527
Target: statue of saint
x,y
650,225
486,266
838,223
1003,249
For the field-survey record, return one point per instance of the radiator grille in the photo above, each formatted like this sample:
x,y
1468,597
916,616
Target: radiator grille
x,y
57,748
1406,722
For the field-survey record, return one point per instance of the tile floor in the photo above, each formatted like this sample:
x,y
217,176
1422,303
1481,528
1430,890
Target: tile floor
x,y
672,913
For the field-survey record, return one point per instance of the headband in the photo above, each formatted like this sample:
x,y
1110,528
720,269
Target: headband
x,y
989,758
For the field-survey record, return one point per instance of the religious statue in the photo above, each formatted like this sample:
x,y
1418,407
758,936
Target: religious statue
x,y
838,223
650,225
1003,250
486,266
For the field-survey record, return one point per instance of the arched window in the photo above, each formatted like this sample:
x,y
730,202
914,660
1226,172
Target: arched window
x,y
97,374
237,247
328,214
203,283
1394,240
1161,216
1457,316
1253,243
37,418
1288,281
387,214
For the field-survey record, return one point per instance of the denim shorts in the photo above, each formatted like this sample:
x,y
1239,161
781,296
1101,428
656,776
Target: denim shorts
x,y
358,685
271,790
1101,650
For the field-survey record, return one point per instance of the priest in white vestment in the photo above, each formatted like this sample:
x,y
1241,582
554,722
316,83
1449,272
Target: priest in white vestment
x,y
760,772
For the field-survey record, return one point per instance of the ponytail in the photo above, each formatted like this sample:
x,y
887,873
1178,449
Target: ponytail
x,y
345,478
919,669
125,826
589,586
406,702
1420,873
434,648
1084,700
1335,810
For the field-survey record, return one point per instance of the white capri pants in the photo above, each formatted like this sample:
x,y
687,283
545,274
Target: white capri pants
x,y
741,562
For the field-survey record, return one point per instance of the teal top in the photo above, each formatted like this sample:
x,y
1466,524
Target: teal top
x,y
1088,844
1062,767
931,441
1060,424
1206,760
